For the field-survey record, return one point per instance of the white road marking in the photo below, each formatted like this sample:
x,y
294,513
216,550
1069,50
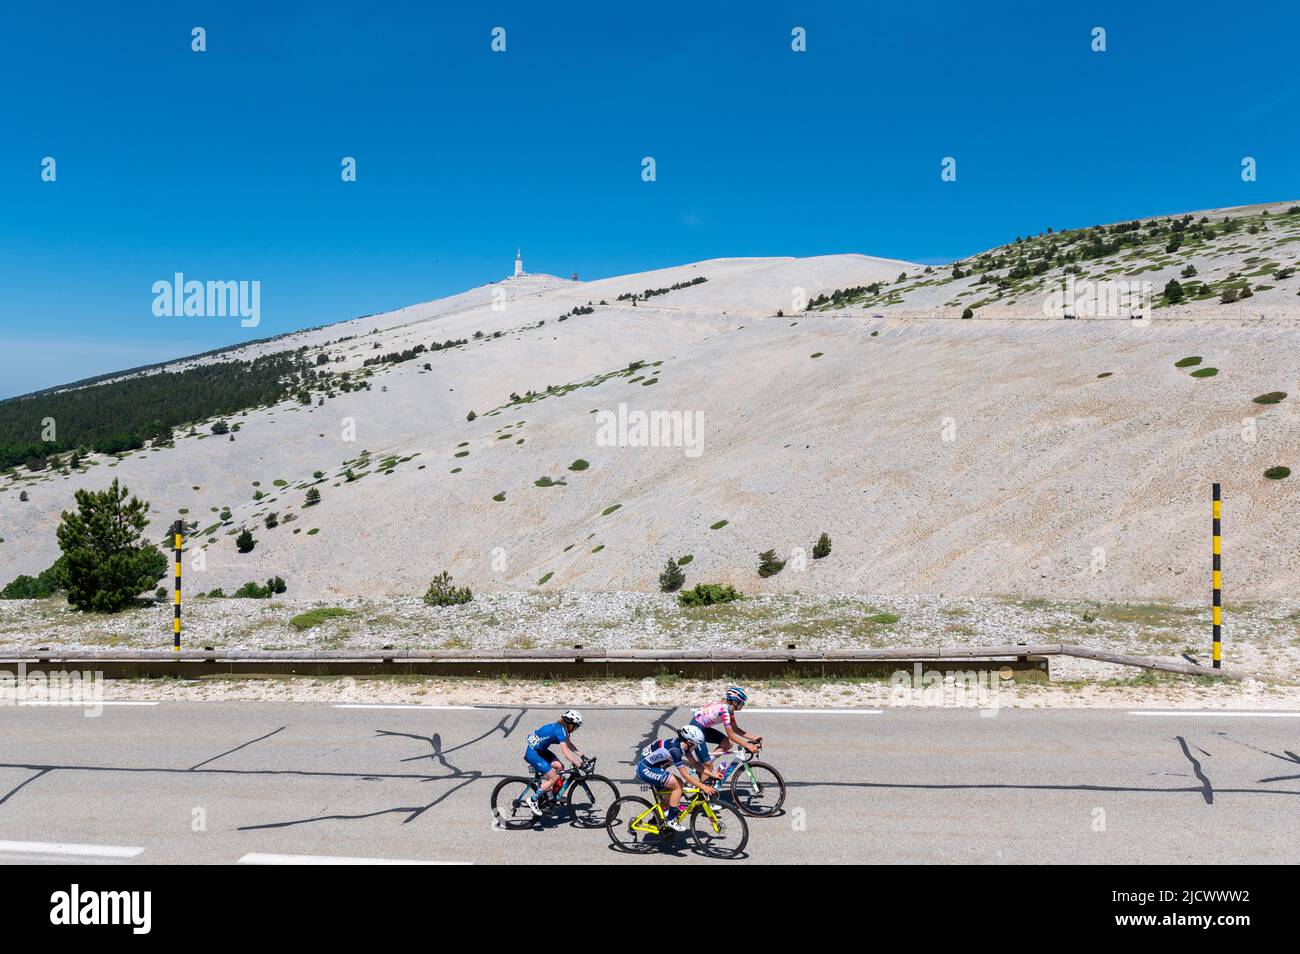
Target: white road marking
x,y
85,705
407,705
748,711
56,848
1219,712
261,859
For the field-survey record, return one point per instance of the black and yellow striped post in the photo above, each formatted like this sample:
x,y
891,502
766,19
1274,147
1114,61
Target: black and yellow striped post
x,y
178,545
1217,579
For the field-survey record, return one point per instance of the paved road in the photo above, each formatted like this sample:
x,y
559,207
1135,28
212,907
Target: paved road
x,y
218,782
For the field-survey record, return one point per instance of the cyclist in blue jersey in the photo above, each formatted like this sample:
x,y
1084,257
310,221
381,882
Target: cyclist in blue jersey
x,y
538,754
663,767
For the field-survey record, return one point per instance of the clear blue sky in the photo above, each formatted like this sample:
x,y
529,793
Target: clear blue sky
x,y
225,164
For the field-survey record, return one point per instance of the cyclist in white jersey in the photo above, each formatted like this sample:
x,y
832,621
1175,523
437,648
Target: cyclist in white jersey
x,y
708,719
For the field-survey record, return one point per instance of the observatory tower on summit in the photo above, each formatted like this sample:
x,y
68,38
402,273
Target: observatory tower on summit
x,y
519,264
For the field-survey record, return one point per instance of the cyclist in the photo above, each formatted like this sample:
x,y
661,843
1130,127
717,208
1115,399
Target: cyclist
x,y
544,762
724,713
663,766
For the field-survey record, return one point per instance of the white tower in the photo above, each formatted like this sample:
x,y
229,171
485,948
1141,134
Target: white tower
x,y
519,264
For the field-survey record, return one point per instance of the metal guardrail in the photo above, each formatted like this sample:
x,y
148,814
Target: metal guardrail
x,y
461,660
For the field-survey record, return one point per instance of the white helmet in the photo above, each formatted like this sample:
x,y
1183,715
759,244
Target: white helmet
x,y
572,716
691,733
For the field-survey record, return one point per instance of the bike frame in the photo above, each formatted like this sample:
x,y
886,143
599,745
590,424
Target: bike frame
x,y
696,803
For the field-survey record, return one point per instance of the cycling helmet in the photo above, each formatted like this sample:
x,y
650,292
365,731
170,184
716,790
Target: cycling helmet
x,y
572,716
737,695
691,733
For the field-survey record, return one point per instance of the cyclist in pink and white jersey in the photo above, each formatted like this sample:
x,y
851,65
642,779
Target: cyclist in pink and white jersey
x,y
722,714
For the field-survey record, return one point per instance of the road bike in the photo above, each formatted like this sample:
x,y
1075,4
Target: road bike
x,y
756,788
585,796
636,825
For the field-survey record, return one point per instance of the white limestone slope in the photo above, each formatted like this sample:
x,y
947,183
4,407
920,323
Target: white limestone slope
x,y
941,456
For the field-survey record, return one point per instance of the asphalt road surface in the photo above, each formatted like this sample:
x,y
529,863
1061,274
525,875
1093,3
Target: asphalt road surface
x,y
228,782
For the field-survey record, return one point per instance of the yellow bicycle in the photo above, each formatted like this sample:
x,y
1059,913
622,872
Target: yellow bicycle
x,y
637,825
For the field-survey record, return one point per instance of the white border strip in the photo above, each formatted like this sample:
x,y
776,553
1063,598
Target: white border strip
x,y
1218,712
57,848
261,859
395,705
748,711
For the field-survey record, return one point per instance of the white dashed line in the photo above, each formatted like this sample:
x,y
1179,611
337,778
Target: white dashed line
x,y
1213,712
260,859
83,705
57,848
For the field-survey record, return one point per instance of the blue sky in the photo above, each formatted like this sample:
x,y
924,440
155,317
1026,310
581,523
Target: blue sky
x,y
225,164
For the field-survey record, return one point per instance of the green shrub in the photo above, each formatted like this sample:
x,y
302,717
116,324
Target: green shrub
x,y
719,525
884,619
244,543
442,592
1188,362
317,616
1277,473
499,497
608,510
1272,397
683,560
968,313
313,497
1205,372
39,587
708,594
579,464
252,591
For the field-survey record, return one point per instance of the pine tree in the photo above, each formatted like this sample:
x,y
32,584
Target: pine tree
x,y
822,548
245,542
768,564
672,578
106,561
313,497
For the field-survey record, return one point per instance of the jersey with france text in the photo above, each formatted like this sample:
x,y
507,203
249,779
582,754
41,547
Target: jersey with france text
x,y
660,752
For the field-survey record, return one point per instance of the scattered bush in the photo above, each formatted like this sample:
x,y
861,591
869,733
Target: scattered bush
x,y
579,464
442,592
1272,397
883,619
244,543
968,313
1188,362
1205,372
822,548
768,564
251,591
313,497
315,617
708,594
672,578
1277,473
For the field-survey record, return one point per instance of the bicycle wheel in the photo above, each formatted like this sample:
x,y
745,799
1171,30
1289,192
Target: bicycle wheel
x,y
508,806
724,837
618,822
589,800
757,789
